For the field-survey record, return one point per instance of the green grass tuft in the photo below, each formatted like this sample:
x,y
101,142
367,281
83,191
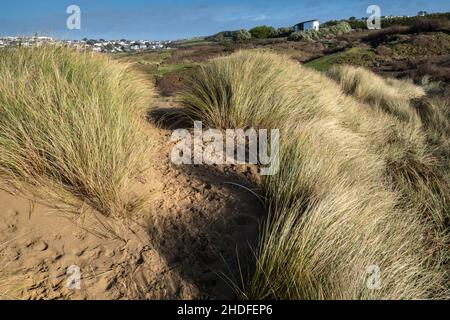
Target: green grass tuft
x,y
71,126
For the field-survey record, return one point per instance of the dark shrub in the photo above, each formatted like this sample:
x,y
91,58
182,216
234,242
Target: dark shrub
x,y
428,25
263,32
379,36
284,32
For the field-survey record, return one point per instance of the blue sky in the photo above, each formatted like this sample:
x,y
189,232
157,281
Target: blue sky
x,y
159,19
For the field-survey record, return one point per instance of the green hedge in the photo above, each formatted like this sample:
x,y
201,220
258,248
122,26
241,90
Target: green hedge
x,y
385,23
263,32
311,35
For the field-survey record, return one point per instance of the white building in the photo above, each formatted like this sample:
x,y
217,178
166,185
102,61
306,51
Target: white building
x,y
307,25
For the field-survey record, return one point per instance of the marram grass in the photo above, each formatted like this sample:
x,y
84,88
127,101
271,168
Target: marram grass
x,y
416,146
70,126
334,209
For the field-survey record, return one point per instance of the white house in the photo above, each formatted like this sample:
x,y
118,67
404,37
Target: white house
x,y
307,25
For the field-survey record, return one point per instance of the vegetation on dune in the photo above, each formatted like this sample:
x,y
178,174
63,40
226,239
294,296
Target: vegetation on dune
x,y
335,28
356,56
416,21
150,63
312,35
391,95
193,43
389,22
434,112
70,126
417,170
434,43
353,22
284,31
215,100
167,69
356,181
241,35
263,32
394,32
399,51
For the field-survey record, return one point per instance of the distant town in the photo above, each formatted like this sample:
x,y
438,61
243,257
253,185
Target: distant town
x,y
101,45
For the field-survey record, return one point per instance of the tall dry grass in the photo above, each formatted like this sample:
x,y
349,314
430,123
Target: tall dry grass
x,y
390,95
70,126
416,150
333,210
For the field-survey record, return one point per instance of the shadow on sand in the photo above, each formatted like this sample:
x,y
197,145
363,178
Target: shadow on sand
x,y
210,239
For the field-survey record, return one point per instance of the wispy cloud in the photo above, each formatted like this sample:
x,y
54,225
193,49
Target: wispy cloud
x,y
260,18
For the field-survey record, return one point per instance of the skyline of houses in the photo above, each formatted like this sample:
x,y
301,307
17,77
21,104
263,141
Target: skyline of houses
x,y
98,45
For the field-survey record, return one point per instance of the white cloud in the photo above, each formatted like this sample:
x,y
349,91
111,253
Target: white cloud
x,y
259,18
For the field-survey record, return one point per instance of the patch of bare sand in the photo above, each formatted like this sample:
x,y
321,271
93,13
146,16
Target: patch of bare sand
x,y
193,239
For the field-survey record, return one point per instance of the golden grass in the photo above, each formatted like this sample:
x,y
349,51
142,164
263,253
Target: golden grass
x,y
420,126
334,209
390,95
70,126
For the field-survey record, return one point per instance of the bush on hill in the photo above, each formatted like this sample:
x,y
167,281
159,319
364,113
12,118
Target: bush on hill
x,y
263,32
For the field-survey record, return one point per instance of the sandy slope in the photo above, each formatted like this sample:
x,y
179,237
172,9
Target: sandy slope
x,y
195,226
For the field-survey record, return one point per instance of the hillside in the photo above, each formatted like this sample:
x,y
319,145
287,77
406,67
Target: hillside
x,y
420,50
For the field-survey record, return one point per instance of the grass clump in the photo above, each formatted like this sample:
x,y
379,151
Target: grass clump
x,y
390,95
333,209
70,126
355,56
415,140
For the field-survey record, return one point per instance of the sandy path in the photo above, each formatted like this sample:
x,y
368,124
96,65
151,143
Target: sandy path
x,y
195,226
